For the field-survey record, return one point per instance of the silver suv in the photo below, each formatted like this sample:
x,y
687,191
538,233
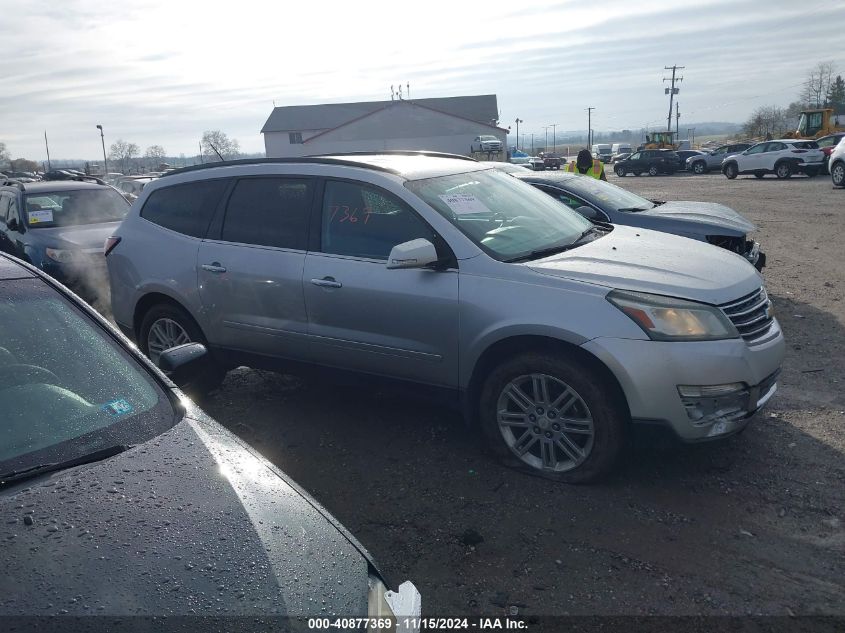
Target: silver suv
x,y
554,334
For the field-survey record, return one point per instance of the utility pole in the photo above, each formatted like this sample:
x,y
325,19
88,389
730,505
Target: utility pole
x,y
105,161
546,146
691,129
554,138
47,145
518,121
589,128
532,143
672,91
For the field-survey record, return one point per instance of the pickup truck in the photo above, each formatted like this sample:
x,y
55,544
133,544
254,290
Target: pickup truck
x,y
551,161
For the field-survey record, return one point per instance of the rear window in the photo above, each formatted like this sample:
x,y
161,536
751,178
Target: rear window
x,y
187,208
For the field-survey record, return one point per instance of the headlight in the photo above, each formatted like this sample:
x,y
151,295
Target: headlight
x,y
670,319
61,256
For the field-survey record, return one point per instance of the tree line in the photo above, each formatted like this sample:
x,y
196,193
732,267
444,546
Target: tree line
x,y
821,89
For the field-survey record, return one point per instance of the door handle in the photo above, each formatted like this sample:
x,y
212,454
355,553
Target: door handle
x,y
214,267
327,282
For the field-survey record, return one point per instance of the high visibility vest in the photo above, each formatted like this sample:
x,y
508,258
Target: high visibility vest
x,y
595,171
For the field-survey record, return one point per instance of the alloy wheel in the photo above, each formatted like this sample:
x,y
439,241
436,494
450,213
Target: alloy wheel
x,y
545,422
164,334
837,174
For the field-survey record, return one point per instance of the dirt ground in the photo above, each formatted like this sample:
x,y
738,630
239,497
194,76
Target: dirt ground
x,y
753,525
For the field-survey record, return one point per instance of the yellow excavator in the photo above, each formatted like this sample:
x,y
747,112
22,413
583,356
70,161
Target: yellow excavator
x,y
659,140
817,123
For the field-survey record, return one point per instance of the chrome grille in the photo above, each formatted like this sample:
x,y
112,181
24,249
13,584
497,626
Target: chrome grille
x,y
751,314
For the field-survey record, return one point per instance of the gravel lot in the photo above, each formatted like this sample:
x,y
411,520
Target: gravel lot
x,y
753,525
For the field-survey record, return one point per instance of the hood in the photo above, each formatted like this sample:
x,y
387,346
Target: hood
x,y
717,215
190,523
84,236
655,262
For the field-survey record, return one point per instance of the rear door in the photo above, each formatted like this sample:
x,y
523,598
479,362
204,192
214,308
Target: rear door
x,y
754,159
250,267
364,317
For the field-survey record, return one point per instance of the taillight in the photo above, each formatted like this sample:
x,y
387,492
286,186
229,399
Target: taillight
x,y
111,242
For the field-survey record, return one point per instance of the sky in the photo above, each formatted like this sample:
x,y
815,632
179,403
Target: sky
x,y
161,72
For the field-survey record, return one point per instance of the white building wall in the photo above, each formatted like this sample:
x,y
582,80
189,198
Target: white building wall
x,y
400,126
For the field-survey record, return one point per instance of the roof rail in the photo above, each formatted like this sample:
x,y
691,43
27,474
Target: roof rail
x,y
318,159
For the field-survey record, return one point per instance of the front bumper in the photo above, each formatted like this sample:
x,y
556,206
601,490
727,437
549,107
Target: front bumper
x,y
650,372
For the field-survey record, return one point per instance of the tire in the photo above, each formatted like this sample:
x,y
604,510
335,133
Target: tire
x,y
653,171
783,170
731,171
811,173
637,173
169,316
759,174
584,453
699,167
620,171
837,174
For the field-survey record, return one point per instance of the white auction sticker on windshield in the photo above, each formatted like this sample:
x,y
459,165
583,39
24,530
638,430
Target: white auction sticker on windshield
x,y
464,203
36,217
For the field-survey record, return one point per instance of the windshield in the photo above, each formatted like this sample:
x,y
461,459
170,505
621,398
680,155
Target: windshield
x,y
608,196
504,216
66,388
74,207
489,138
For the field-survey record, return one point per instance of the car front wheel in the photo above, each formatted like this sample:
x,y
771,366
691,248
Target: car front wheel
x,y
837,174
811,173
699,167
165,326
731,171
552,417
620,171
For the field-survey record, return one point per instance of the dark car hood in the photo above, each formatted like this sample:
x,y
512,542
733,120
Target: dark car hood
x,y
85,236
190,523
708,212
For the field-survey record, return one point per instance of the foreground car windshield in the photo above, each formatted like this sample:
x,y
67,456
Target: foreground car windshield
x,y
66,388
507,218
608,195
71,208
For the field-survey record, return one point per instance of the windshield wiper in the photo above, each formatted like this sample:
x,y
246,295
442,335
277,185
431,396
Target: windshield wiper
x,y
551,250
40,469
634,209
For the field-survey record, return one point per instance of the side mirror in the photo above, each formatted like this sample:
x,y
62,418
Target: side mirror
x,y
184,362
417,253
590,213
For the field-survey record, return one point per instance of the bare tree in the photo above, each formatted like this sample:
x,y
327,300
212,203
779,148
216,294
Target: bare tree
x,y
766,122
155,155
123,153
817,86
216,140
4,153
23,164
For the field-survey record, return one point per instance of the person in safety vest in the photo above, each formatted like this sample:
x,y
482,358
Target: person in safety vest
x,y
585,164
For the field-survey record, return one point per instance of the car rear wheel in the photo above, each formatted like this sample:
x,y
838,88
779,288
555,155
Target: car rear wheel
x,y
166,325
837,174
550,416
699,167
620,171
653,171
731,171
783,170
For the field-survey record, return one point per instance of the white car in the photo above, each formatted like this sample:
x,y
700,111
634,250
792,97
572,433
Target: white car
x,y
837,165
486,143
782,157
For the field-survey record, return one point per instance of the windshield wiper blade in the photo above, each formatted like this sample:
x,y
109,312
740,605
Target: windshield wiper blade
x,y
552,250
40,469
634,209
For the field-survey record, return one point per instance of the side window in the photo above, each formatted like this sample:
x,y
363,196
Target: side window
x,y
295,138
4,207
269,212
13,211
187,208
722,150
635,156
775,147
758,149
362,221
565,198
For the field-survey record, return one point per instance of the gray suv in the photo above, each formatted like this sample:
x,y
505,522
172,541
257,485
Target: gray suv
x,y
552,333
713,160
